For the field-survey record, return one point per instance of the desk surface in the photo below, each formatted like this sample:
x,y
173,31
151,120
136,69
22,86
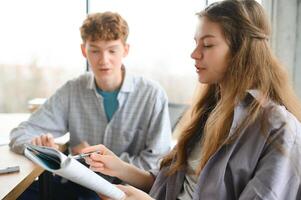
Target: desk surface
x,y
12,185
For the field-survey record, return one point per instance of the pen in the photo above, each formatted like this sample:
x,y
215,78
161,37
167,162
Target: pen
x,y
83,155
10,170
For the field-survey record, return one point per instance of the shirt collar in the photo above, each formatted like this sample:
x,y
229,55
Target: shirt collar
x,y
255,93
91,83
127,85
240,110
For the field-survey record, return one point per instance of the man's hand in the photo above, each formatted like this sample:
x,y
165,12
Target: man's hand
x,y
79,148
44,140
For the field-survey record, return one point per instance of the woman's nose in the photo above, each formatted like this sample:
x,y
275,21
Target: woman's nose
x,y
196,54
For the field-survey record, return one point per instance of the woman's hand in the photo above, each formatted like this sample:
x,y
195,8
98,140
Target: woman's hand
x,y
131,193
105,162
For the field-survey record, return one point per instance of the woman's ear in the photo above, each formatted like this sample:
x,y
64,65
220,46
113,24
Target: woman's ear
x,y
83,48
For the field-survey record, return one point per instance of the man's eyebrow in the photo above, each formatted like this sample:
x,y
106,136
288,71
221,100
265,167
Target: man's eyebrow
x,y
93,45
109,47
112,47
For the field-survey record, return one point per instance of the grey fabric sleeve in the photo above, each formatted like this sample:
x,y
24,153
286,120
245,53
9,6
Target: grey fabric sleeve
x,y
50,118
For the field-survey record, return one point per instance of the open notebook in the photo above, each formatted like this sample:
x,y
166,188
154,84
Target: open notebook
x,y
54,161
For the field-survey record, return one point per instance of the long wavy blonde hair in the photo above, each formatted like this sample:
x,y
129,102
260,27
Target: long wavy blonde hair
x,y
253,66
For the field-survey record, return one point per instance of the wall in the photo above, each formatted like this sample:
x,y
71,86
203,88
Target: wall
x,y
286,38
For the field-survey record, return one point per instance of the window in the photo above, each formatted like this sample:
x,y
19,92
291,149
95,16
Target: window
x,y
40,49
161,41
40,45
212,1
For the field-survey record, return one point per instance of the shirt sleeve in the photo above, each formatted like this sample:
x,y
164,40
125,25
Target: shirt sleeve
x,y
158,137
50,118
277,176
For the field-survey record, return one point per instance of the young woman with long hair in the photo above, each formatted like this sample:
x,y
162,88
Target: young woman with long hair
x,y
241,137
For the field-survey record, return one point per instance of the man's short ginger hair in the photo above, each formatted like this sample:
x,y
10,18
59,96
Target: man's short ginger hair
x,y
106,26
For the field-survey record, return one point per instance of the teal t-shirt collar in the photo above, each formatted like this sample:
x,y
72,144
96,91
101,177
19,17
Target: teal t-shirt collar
x,y
110,101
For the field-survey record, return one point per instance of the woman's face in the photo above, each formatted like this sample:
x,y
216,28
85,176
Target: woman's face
x,y
212,52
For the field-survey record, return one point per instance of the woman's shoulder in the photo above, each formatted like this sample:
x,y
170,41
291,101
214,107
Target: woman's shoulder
x,y
279,117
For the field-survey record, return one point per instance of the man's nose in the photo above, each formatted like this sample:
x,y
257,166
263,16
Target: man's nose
x,y
103,59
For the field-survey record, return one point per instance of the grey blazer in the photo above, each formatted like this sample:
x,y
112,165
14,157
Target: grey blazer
x,y
249,168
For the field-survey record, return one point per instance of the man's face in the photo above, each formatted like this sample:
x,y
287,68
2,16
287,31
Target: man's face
x,y
105,58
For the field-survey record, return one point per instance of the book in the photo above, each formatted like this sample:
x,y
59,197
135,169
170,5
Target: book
x,y
58,163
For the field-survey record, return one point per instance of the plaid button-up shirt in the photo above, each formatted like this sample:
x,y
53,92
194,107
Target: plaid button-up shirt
x,y
139,131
